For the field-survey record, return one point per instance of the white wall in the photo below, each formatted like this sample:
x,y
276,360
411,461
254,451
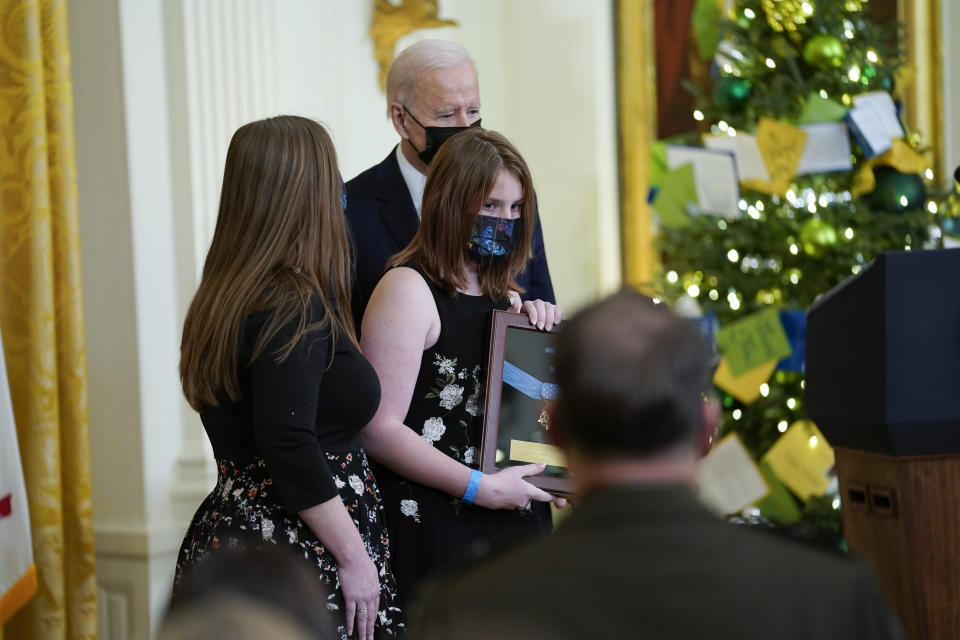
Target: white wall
x,y
160,86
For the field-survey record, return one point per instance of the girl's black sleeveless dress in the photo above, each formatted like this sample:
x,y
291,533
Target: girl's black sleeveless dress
x,y
431,531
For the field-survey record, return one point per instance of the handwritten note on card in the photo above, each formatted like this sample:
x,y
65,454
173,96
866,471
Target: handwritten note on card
x,y
750,165
803,459
677,191
729,478
746,386
781,146
753,341
715,173
827,149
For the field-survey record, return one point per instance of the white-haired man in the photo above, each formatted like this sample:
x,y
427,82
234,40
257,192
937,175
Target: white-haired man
x,y
432,94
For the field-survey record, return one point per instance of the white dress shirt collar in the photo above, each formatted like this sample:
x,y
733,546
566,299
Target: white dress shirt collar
x,y
414,179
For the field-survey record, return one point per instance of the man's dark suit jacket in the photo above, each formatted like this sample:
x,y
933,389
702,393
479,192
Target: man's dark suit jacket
x,y
651,562
383,220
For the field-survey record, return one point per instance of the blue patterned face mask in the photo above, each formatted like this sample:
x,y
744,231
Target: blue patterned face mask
x,y
492,239
343,194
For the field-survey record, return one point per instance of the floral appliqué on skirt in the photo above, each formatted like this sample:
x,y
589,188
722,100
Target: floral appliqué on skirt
x,y
242,511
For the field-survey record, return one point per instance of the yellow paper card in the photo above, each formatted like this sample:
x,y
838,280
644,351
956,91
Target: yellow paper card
x,y
902,157
745,387
864,181
802,459
781,146
523,451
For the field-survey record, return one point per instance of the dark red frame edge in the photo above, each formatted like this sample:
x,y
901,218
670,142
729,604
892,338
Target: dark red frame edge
x,y
491,413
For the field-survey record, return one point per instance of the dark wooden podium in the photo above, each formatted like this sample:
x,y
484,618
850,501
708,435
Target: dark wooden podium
x,y
883,385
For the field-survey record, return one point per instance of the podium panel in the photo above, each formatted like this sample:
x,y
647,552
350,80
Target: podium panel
x,y
883,386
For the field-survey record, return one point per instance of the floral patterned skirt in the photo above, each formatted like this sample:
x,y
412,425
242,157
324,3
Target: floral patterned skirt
x,y
243,511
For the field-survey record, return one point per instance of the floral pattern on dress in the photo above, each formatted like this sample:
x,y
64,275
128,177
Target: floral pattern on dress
x,y
449,396
411,509
433,429
242,511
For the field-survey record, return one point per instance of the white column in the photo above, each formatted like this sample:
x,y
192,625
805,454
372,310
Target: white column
x,y
229,50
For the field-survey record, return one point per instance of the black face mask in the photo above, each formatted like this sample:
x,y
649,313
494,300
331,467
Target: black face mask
x,y
436,136
492,239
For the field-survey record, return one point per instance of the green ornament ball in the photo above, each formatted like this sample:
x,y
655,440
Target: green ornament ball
x,y
824,51
817,236
732,93
896,192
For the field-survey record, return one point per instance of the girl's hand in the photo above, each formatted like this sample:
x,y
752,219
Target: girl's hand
x,y
542,314
507,489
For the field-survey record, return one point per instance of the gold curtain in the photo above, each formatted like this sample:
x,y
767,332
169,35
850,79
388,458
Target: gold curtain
x,y
635,90
41,315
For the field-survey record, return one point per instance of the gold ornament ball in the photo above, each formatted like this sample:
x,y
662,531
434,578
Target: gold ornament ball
x,y
824,51
817,236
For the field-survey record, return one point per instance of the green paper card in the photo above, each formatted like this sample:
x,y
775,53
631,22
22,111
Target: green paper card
x,y
753,341
658,162
677,189
820,109
779,504
705,18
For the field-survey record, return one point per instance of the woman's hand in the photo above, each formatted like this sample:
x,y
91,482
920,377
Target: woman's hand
x,y
361,593
507,489
359,580
542,314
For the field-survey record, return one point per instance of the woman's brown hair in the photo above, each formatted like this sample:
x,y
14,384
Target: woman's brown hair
x,y
280,239
461,176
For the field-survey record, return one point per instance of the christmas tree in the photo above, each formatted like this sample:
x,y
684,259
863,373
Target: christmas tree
x,y
825,177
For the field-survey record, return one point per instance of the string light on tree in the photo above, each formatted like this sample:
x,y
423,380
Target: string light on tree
x,y
790,240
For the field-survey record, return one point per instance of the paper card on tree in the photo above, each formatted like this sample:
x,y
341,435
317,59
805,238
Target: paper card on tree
x,y
745,151
676,192
779,505
903,158
885,106
729,478
718,190
820,109
753,341
746,386
827,149
658,161
802,459
781,146
868,129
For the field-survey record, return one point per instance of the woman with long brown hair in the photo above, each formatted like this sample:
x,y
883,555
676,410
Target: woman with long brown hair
x,y
425,332
269,359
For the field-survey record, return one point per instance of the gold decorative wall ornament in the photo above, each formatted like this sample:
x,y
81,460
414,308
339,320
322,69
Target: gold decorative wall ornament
x,y
393,21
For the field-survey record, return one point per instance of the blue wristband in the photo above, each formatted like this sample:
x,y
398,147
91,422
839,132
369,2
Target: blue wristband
x,y
471,493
